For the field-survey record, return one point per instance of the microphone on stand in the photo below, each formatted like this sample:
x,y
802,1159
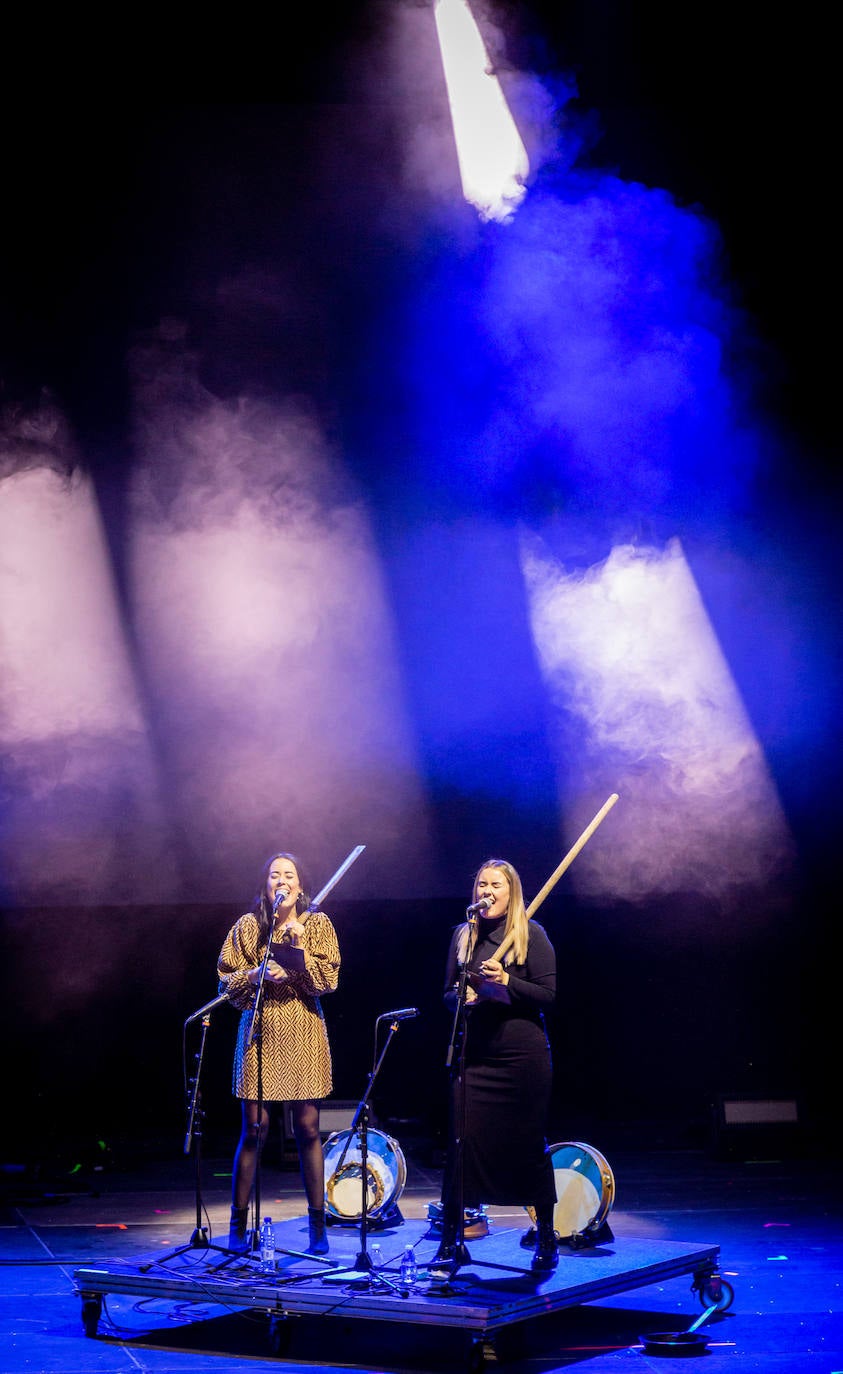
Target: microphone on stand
x,y
281,896
403,1015
482,905
209,1006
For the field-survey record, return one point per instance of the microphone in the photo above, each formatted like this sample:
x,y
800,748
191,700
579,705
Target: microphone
x,y
281,896
482,905
209,1006
403,1015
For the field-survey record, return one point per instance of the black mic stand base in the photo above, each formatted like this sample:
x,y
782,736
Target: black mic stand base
x,y
198,1241
306,1255
381,1221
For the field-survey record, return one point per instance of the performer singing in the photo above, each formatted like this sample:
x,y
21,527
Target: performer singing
x,y
500,1090
295,1065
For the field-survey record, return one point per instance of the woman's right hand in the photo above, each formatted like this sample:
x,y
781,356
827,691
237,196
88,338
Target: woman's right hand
x,y
274,973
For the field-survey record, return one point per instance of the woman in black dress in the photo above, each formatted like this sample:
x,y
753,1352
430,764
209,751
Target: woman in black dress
x,y
500,1088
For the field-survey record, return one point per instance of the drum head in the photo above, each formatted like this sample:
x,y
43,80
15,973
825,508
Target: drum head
x,y
386,1174
585,1189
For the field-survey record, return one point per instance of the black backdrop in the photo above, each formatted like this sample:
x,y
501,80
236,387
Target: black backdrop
x,y
655,1020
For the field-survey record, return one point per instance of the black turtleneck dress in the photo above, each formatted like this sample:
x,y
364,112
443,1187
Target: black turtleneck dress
x,y
506,1074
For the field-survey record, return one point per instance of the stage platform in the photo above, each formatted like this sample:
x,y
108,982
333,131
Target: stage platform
x,y
492,1291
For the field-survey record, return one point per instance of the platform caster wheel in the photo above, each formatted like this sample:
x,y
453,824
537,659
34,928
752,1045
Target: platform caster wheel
x,y
280,1335
716,1291
91,1313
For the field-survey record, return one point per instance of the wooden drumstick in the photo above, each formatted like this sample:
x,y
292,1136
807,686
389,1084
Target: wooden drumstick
x,y
557,873
571,855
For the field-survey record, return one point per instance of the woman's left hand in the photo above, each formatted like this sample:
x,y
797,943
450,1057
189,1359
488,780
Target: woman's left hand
x,y
494,972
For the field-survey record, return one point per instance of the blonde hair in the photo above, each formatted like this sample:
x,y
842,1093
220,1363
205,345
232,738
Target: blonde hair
x,y
516,936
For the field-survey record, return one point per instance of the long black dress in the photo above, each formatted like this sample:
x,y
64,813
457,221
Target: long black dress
x,y
507,1075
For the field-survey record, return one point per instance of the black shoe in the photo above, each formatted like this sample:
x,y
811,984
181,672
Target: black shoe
x,y
545,1258
238,1230
317,1243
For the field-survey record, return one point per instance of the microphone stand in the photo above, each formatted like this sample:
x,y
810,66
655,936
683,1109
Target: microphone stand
x,y
255,1034
459,1031
456,1189
200,1237
370,1277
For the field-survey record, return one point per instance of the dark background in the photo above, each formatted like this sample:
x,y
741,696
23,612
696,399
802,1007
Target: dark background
x,y
651,1030
732,107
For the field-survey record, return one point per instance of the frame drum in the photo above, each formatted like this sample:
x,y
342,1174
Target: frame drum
x,y
386,1175
585,1189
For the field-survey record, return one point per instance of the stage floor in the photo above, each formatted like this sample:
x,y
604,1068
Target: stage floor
x,y
773,1225
494,1287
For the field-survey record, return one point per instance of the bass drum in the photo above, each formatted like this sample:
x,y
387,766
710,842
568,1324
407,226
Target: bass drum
x,y
386,1171
585,1189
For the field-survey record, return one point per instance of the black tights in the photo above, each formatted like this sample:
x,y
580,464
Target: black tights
x,y
253,1138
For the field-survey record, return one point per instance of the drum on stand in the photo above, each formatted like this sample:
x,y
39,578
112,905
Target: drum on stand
x,y
585,1191
386,1176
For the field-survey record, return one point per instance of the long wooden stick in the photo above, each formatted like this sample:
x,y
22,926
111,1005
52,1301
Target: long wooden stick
x,y
586,835
571,855
332,882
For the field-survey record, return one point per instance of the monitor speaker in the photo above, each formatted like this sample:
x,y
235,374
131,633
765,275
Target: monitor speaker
x,y
749,1127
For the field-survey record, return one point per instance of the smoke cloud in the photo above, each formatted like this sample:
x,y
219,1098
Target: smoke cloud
x,y
634,669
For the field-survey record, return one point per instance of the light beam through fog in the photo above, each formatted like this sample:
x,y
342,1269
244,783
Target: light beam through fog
x,y
578,365
267,639
79,780
629,656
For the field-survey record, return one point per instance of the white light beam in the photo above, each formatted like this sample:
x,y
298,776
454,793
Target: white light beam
x,y
492,158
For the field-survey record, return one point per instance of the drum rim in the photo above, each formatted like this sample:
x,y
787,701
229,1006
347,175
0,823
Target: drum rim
x,y
606,1172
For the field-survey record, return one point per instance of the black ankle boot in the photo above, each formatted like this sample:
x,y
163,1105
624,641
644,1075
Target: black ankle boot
x,y
318,1235
238,1230
545,1257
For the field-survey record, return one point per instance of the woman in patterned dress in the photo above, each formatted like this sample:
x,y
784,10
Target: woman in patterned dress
x,y
295,1058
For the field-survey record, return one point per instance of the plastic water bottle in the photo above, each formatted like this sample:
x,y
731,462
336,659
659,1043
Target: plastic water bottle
x,y
377,1255
267,1239
409,1270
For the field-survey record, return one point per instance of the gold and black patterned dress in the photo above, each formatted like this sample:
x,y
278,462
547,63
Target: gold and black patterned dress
x,y
296,1056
